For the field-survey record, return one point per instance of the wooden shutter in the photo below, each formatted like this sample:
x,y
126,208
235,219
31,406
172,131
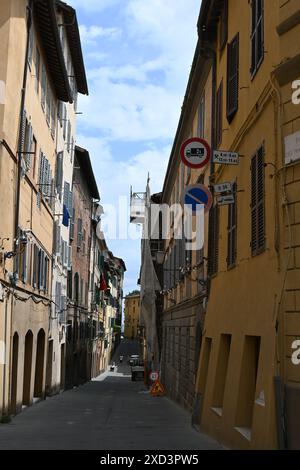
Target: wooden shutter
x,y
258,202
69,137
79,233
70,203
72,225
224,26
232,78
66,194
219,116
64,121
59,173
232,231
213,241
257,35
44,86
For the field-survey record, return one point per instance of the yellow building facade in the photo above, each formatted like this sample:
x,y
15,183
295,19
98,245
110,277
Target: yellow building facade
x,y
34,81
237,301
251,317
131,316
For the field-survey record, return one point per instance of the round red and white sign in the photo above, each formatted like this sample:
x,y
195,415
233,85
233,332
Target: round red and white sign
x,y
195,153
153,376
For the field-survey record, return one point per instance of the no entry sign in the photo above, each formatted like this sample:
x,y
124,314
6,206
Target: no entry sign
x,y
196,195
195,153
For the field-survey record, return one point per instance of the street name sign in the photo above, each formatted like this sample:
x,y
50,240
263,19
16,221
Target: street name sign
x,y
195,153
225,200
196,195
226,158
223,188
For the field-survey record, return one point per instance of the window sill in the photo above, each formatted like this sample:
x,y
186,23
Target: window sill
x,y
255,71
230,267
245,432
218,411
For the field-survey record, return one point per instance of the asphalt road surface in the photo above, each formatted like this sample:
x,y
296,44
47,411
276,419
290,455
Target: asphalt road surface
x,y
109,413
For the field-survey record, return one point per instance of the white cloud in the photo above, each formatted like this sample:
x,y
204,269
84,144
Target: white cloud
x,y
93,5
90,34
115,179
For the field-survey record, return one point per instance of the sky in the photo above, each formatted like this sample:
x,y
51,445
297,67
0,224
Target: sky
x,y
138,56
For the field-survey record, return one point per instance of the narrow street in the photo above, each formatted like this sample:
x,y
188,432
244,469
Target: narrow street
x,y
109,413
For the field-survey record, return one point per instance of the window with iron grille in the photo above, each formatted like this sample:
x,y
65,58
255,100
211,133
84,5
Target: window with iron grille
x,y
257,35
219,117
232,78
213,241
232,230
224,26
258,202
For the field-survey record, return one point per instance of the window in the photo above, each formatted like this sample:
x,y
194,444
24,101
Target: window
x,y
232,230
224,26
45,178
232,78
213,241
27,146
37,69
44,86
257,35
59,174
79,233
76,287
21,261
258,202
72,225
57,298
30,46
247,387
221,371
83,241
201,117
69,142
40,269
57,238
219,117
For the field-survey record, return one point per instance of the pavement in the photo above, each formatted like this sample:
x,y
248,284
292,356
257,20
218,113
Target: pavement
x,y
109,413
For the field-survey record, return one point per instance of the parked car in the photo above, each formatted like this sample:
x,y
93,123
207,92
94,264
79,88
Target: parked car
x,y
137,371
134,359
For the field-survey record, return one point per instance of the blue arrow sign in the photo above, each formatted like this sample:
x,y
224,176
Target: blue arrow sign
x,y
197,195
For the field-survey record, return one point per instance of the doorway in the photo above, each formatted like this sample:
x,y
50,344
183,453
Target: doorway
x,y
27,368
39,365
14,373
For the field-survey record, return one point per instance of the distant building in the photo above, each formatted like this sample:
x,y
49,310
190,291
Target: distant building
x,y
132,315
79,321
